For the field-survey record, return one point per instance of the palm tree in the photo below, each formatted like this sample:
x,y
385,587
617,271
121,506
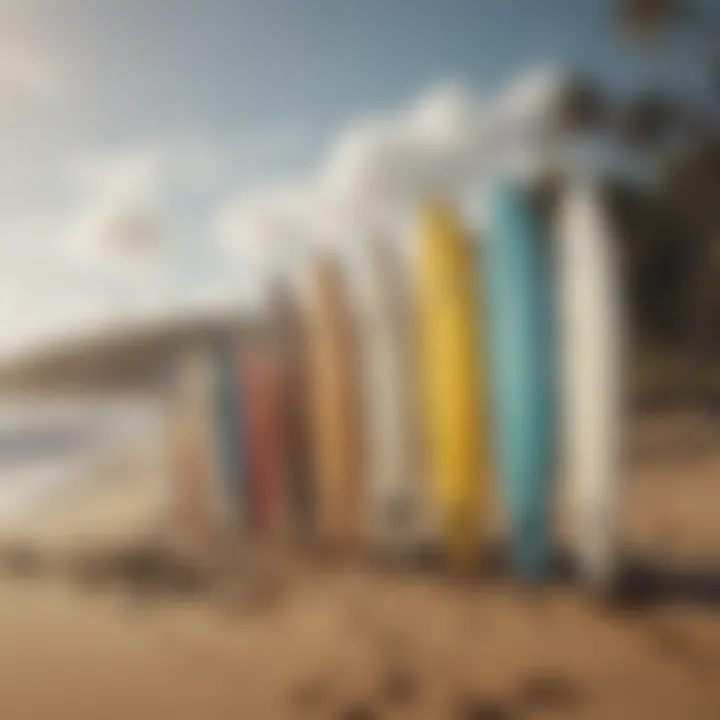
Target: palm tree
x,y
691,179
581,107
650,119
647,20
692,190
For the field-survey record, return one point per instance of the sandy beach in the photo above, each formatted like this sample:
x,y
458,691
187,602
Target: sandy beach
x,y
143,627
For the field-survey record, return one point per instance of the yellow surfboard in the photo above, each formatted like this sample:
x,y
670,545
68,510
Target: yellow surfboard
x,y
455,418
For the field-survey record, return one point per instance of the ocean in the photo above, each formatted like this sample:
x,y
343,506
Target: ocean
x,y
49,446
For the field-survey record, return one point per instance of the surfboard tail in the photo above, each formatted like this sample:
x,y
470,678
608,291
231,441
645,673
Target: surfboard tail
x,y
461,532
531,550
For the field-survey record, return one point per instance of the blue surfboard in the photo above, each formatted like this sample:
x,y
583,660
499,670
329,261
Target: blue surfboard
x,y
522,357
228,433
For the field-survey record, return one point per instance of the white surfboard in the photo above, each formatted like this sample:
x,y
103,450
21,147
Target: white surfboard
x,y
591,371
391,490
198,473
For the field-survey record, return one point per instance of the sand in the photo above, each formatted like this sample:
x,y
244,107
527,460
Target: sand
x,y
144,628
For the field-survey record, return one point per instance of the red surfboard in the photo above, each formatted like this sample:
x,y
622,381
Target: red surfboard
x,y
263,441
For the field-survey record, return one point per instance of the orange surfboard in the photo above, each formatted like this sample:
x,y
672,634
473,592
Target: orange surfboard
x,y
335,406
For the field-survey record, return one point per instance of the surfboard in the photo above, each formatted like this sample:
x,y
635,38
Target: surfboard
x,y
227,431
449,374
522,338
335,406
485,454
289,337
392,491
195,469
260,385
590,345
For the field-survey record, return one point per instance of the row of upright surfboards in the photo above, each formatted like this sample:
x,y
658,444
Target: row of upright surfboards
x,y
399,414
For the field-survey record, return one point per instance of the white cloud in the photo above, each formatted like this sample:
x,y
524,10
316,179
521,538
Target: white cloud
x,y
124,192
285,218
121,216
117,229
27,317
27,73
427,148
135,169
449,142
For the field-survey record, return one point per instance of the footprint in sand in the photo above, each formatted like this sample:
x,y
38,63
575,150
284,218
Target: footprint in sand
x,y
475,708
550,693
676,645
311,696
23,560
358,711
400,687
668,640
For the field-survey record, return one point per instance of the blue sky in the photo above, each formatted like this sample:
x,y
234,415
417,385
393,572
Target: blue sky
x,y
146,66
177,108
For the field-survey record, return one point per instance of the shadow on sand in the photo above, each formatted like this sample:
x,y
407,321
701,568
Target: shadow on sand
x,y
142,568
644,581
647,581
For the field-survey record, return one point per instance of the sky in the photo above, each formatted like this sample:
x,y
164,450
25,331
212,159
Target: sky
x,y
160,155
